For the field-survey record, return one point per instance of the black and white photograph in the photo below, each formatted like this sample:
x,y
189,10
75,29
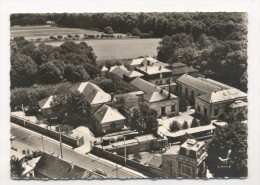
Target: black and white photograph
x,y
129,95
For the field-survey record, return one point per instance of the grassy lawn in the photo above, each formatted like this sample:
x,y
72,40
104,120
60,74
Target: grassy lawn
x,y
121,48
34,32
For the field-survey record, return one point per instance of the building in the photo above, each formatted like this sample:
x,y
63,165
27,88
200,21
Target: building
x,y
164,102
160,73
45,106
187,160
108,119
94,95
191,87
237,107
52,167
223,102
104,71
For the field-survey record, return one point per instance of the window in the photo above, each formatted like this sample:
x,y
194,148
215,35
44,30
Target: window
x,y
162,110
216,112
192,95
113,125
198,108
205,111
180,89
187,152
173,108
186,170
186,92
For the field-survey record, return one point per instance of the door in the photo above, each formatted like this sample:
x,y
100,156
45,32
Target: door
x,y
162,111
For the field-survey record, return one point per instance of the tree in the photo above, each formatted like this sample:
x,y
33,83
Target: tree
x,y
205,120
75,73
185,137
194,123
107,85
69,36
136,32
185,125
240,117
144,120
16,167
108,30
69,106
49,73
60,37
52,38
183,103
228,139
77,36
175,126
23,70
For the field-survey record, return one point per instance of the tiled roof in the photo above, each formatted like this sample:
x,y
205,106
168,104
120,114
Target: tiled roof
x,y
144,85
45,103
158,96
93,93
219,84
155,161
197,83
237,104
55,168
107,114
224,95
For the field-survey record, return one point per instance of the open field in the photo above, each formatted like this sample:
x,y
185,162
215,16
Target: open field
x,y
34,32
121,48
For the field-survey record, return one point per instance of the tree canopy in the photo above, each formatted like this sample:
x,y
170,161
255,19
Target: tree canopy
x,y
144,120
228,139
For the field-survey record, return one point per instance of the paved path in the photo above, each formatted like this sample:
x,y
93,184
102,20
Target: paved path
x,y
27,139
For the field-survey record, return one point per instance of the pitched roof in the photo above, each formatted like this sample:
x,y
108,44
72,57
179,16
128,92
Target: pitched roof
x,y
158,96
115,67
134,73
55,168
119,71
219,84
93,93
144,85
237,104
45,103
155,161
104,68
107,114
154,69
183,70
197,83
224,95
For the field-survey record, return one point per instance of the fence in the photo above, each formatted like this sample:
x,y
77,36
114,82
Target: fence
x,y
148,170
75,142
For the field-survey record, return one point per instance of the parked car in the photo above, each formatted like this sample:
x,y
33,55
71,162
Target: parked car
x,y
100,171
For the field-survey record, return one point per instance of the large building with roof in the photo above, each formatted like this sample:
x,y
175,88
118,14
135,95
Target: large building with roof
x,y
164,102
108,119
45,106
211,98
187,160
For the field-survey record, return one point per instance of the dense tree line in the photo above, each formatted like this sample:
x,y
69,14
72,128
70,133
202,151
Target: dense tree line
x,y
30,19
219,25
45,64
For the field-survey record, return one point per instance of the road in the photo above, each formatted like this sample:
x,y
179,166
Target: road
x,y
27,139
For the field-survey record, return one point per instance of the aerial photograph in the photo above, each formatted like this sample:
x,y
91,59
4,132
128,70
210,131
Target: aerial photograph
x,y
128,95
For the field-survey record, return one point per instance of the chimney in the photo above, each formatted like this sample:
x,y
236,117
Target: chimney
x,y
169,94
112,100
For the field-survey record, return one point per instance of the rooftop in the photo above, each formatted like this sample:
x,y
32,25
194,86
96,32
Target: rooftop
x,y
154,69
223,95
238,104
104,68
198,84
158,96
144,138
174,150
55,168
46,103
144,85
155,161
93,93
108,114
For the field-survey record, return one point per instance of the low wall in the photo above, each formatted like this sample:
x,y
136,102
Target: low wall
x,y
152,172
75,142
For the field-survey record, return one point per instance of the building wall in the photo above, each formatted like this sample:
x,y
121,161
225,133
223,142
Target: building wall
x,y
118,125
213,109
167,104
187,167
190,93
169,166
47,112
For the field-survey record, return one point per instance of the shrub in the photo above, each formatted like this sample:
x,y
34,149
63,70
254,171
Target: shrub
x,y
194,123
185,125
175,126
